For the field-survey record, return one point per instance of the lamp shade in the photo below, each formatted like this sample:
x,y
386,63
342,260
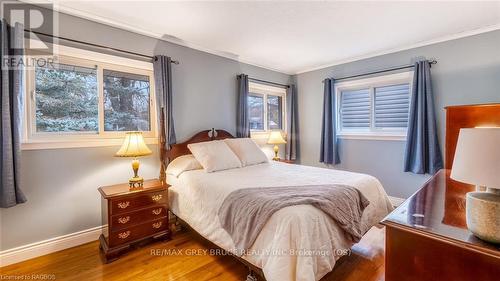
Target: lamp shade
x,y
275,138
477,157
133,146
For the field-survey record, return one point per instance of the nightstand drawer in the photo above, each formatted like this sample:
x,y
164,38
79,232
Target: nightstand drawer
x,y
137,232
126,220
131,203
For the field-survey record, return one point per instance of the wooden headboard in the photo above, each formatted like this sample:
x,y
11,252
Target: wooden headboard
x,y
467,116
180,149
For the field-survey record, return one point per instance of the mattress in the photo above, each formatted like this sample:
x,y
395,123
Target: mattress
x,y
298,242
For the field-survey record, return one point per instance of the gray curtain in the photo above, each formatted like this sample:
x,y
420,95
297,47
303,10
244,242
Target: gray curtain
x,y
329,153
422,153
162,66
242,122
11,39
292,124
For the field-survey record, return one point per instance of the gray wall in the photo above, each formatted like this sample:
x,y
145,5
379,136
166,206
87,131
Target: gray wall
x,y
468,72
61,184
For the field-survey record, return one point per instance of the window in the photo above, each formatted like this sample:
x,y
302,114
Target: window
x,y
126,101
375,108
88,98
66,99
274,112
266,107
256,112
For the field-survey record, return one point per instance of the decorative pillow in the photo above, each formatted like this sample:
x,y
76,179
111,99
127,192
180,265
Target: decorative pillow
x,y
247,151
214,155
182,164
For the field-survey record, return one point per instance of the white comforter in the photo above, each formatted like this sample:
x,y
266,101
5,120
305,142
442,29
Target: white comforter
x,y
195,197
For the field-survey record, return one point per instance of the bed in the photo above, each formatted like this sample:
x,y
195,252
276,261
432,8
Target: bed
x,y
298,242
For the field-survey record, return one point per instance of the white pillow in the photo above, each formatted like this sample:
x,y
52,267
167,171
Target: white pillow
x,y
214,155
247,151
182,164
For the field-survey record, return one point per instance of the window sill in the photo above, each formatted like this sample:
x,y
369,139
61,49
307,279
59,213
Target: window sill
x,y
45,144
386,137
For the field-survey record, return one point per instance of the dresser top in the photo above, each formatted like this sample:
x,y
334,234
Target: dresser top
x,y
438,210
123,189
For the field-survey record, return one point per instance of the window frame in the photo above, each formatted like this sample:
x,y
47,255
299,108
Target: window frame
x,y
372,133
79,57
257,89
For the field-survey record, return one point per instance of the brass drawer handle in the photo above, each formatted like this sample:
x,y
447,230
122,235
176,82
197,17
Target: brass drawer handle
x,y
124,235
157,211
157,224
157,197
123,205
124,220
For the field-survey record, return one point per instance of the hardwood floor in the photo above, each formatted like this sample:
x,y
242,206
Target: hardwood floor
x,y
366,263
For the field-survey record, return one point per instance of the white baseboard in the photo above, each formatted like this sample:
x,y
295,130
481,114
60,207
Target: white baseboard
x,y
52,245
48,246
396,201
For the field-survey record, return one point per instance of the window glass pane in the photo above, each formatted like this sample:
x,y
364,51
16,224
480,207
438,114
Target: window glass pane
x,y
274,116
126,101
392,106
256,112
355,109
66,98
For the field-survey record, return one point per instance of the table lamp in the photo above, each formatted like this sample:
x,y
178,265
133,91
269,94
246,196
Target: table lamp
x,y
276,138
477,162
134,146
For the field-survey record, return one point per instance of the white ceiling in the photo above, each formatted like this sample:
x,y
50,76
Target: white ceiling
x,y
294,37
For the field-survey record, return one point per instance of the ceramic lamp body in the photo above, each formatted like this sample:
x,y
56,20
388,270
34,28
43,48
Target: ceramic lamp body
x,y
276,150
477,162
483,215
136,182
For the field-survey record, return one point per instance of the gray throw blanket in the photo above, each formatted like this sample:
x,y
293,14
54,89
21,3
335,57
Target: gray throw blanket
x,y
244,212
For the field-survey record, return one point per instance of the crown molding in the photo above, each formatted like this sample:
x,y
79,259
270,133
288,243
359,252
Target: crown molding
x,y
59,7
441,39
124,26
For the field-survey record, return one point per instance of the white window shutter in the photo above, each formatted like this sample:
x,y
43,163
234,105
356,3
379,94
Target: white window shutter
x,y
392,106
355,109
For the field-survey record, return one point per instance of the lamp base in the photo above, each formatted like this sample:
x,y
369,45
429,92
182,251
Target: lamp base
x,y
135,183
276,149
483,215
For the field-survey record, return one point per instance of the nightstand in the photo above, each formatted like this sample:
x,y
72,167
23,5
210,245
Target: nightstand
x,y
132,216
286,161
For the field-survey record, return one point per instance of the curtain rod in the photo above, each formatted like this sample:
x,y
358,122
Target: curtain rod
x,y
268,82
95,45
381,71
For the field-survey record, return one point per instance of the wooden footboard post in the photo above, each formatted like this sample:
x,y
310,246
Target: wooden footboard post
x,y
175,225
162,143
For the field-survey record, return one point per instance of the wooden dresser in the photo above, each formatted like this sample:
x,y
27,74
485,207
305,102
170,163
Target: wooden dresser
x,y
132,216
427,237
